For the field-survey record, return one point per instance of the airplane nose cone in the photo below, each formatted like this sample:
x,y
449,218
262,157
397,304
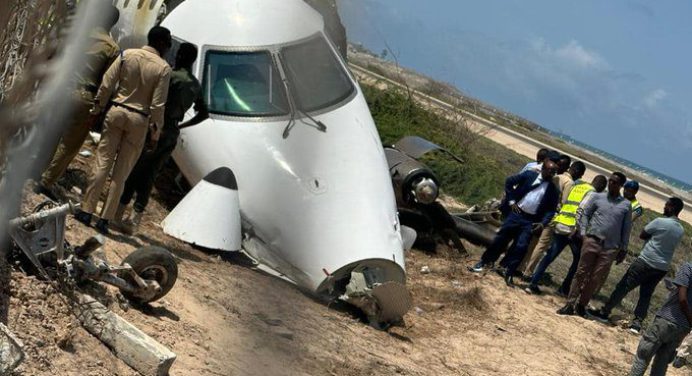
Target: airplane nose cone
x,y
224,177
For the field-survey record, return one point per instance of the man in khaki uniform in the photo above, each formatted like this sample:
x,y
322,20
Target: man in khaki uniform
x,y
184,91
99,56
142,78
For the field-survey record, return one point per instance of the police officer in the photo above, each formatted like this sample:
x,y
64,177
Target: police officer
x,y
184,91
99,56
136,85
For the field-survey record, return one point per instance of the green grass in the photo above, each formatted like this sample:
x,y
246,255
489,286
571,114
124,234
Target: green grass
x,y
486,164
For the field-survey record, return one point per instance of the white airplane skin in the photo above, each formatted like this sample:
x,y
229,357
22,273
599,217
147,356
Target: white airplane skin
x,y
290,121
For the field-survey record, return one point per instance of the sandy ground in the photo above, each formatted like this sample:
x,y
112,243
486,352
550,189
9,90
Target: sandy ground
x,y
649,197
225,318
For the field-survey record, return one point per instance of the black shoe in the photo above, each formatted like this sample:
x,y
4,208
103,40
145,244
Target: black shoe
x,y
501,271
479,267
635,326
102,226
533,289
41,189
509,280
567,310
83,217
599,315
580,310
679,362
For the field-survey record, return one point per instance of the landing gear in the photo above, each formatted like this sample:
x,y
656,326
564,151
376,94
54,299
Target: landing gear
x,y
151,264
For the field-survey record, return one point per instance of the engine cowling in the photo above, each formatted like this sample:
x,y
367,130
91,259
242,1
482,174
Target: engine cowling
x,y
413,181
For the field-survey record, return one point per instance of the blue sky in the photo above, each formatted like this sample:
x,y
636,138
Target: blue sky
x,y
614,74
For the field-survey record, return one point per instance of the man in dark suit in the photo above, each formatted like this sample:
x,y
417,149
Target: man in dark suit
x,y
530,203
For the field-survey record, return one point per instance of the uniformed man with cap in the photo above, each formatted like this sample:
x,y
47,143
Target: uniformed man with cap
x,y
136,85
184,91
99,56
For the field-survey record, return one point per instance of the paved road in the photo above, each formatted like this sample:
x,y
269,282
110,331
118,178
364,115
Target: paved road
x,y
649,196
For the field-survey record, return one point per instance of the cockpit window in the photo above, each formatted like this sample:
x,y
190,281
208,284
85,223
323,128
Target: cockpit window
x,y
316,77
243,84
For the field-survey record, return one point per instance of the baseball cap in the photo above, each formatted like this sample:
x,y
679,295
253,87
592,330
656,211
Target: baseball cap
x,y
632,184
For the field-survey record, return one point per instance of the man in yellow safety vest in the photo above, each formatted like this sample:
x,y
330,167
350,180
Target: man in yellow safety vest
x,y
564,233
629,191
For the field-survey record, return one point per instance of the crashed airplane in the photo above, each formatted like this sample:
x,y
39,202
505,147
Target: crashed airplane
x,y
290,166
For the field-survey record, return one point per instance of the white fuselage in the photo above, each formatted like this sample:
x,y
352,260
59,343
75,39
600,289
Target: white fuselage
x,y
320,203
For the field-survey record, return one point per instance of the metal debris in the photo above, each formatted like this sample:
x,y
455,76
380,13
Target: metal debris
x,y
11,353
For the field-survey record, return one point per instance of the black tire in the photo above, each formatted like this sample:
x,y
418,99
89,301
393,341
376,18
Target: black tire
x,y
152,263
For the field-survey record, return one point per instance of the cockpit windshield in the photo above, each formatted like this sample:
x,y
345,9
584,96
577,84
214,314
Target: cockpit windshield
x,y
316,77
244,84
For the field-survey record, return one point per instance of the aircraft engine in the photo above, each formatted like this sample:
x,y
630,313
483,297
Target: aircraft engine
x,y
413,181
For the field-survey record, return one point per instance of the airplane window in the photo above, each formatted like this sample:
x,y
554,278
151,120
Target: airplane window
x,y
317,78
243,84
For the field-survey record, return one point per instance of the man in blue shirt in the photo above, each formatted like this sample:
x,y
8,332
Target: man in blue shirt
x,y
605,226
666,332
662,236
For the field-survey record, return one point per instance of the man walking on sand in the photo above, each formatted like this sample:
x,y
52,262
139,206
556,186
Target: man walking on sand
x,y
662,236
669,328
605,227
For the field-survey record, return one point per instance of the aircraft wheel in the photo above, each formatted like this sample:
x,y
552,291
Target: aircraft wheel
x,y
154,264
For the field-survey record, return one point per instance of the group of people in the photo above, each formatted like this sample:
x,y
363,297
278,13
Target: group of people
x,y
547,206
141,102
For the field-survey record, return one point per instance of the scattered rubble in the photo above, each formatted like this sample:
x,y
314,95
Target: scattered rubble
x,y
11,353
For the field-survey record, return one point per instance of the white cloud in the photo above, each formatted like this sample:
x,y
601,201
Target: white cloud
x,y
571,54
575,53
654,98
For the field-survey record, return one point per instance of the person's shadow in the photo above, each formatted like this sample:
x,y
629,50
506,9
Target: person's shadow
x,y
158,311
